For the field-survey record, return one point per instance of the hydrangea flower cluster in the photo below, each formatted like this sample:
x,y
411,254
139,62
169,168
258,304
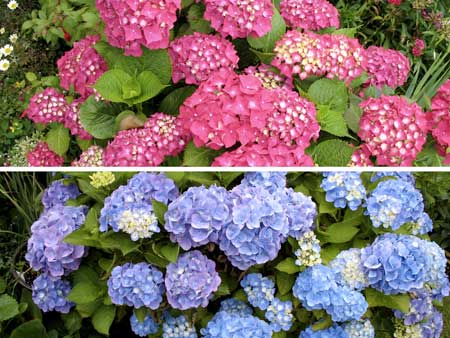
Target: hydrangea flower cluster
x,y
47,251
191,281
240,18
348,263
81,66
308,253
361,157
394,130
394,203
195,57
334,331
440,119
178,327
198,215
438,284
46,107
144,328
102,179
431,328
226,325
386,67
136,285
269,76
310,15
130,25
50,294
232,305
359,329
272,181
72,120
418,47
91,157
421,306
260,290
279,314
344,189
59,193
308,53
43,156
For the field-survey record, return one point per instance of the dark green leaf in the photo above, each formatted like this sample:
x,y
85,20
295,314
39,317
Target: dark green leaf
x,y
288,266
103,318
172,102
284,281
170,251
8,307
110,84
72,321
330,93
84,292
198,157
332,153
32,328
2,285
118,240
160,210
332,121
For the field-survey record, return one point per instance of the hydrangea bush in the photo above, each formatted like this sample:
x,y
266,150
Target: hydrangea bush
x,y
260,254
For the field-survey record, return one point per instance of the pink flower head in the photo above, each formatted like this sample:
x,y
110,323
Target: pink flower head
x,y
386,67
307,54
361,158
47,106
92,157
440,116
72,120
195,57
309,14
269,77
132,23
240,18
43,156
395,2
81,66
419,46
393,129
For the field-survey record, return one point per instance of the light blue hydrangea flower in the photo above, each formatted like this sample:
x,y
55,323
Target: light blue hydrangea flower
x,y
433,326
197,216
232,305
260,290
346,304
344,189
438,282
334,331
59,193
136,285
178,327
279,314
271,181
230,325
154,186
421,306
402,175
359,329
144,328
50,294
348,264
301,212
422,225
191,281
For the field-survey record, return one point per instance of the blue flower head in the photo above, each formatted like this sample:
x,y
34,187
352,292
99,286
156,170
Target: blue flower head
x,y
279,314
301,212
334,331
394,203
348,264
191,281
230,325
271,181
144,328
232,305
59,193
359,329
344,189
136,285
50,294
401,175
154,186
260,290
438,282
421,306
422,225
178,327
346,304
197,216
433,326
47,251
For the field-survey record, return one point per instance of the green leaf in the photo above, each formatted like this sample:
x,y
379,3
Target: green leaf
x,y
198,157
31,77
227,178
284,281
110,84
341,232
332,153
2,285
150,85
196,21
330,93
328,253
8,307
160,210
264,57
72,321
84,292
58,139
288,266
171,103
131,89
353,114
204,178
89,190
103,318
397,302
267,42
118,240
350,32
87,310
332,122
280,334
32,328
170,251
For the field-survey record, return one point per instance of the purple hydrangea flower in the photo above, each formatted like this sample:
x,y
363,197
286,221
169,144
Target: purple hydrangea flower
x,y
136,285
232,305
421,306
279,314
47,251
344,189
334,331
198,215
260,290
154,186
178,327
231,325
144,328
271,181
191,281
59,193
50,294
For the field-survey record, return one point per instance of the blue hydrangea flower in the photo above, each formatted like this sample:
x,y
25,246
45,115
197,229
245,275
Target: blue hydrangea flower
x,y
402,175
230,325
198,215
394,203
359,329
433,326
260,290
308,253
154,186
438,282
259,226
279,314
50,294
232,305
191,281
59,193
421,306
344,189
144,328
348,264
334,331
136,285
301,212
178,327
396,263
422,225
271,181
47,251
346,304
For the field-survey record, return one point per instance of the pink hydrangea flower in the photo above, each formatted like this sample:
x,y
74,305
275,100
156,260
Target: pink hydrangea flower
x,y
47,106
132,23
440,118
269,77
92,157
419,46
308,53
72,121
81,66
386,67
195,57
395,2
240,18
361,157
43,156
393,129
309,14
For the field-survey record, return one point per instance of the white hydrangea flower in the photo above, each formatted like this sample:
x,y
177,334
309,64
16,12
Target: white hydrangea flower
x,y
309,252
138,223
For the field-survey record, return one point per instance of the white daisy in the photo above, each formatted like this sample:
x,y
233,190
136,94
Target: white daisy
x,y
13,38
7,50
12,5
4,65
